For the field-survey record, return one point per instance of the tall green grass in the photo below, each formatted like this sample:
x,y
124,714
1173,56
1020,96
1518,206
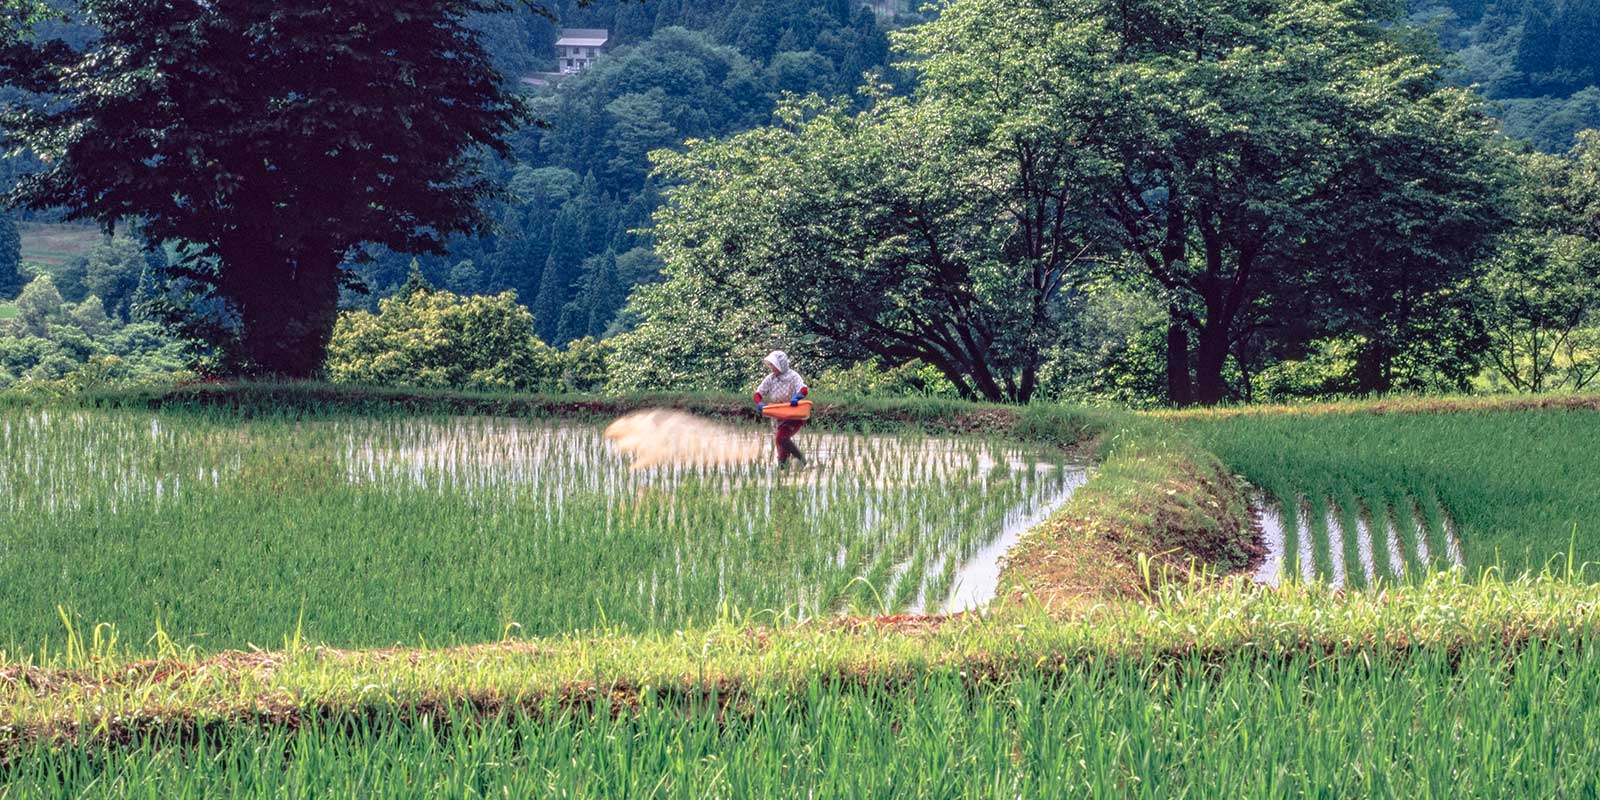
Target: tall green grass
x,y
1518,487
1493,722
1446,688
232,532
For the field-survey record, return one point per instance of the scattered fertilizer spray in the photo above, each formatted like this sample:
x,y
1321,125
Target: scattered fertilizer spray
x,y
660,437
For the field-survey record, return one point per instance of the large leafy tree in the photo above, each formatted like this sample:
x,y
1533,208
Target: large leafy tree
x,y
1235,145
1542,289
890,232
273,138
1422,195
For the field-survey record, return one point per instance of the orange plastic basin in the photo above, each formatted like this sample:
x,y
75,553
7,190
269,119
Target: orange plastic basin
x,y
785,411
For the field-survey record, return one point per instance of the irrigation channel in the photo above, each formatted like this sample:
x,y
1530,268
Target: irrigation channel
x,y
456,528
1351,545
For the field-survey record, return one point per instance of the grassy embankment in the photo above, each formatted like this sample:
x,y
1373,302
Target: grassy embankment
x,y
1515,480
1441,690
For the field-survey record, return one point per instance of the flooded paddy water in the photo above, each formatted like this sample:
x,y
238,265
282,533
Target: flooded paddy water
x,y
376,530
1353,545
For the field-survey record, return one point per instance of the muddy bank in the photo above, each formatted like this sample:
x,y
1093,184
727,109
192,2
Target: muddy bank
x,y
1154,512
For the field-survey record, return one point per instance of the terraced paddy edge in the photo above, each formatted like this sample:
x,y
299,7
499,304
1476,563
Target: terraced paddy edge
x,y
1104,732
1511,490
1197,689
1158,510
1400,404
1062,425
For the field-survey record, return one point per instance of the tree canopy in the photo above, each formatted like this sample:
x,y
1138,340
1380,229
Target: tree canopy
x,y
271,137
10,258
1541,290
1235,158
887,233
1246,151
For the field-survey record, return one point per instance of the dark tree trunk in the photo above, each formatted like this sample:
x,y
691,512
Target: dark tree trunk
x,y
982,377
1180,390
1030,384
287,316
1242,353
1374,370
1210,357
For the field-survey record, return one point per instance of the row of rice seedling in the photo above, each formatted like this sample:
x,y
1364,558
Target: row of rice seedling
x,y
1508,489
1355,542
1497,721
232,532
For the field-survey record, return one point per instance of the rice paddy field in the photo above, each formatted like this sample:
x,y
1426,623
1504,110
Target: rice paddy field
x,y
283,603
1361,498
1496,724
372,531
53,245
8,310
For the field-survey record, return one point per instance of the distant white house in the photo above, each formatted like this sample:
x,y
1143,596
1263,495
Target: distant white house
x,y
577,48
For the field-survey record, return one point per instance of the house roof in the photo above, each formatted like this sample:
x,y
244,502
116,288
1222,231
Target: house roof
x,y
583,37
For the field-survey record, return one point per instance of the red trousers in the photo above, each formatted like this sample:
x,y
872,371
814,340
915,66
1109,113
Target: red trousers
x,y
783,437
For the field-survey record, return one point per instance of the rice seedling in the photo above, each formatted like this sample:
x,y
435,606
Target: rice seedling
x,y
652,655
1382,496
1231,693
380,530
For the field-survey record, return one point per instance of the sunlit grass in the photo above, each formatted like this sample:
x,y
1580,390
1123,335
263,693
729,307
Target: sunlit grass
x,y
1493,723
1207,691
654,635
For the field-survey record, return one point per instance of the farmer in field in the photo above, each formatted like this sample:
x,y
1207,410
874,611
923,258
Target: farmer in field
x,y
782,384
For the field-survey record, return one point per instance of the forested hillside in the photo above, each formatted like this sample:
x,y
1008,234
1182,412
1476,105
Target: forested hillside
x,y
581,188
1539,59
706,68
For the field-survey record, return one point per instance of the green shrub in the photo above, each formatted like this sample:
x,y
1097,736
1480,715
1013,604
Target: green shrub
x,y
1326,370
437,339
584,366
80,345
867,378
